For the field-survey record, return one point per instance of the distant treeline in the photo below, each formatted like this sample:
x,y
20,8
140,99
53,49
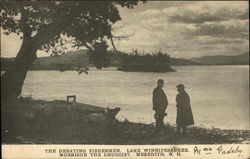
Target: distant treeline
x,y
127,61
155,62
133,61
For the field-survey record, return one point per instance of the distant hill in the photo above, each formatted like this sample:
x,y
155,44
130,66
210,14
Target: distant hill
x,y
242,59
66,61
71,59
6,63
182,62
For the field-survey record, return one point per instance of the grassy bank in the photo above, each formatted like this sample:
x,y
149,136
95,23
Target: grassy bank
x,y
58,122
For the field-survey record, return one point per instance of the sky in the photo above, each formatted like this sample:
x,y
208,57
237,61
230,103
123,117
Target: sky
x,y
183,29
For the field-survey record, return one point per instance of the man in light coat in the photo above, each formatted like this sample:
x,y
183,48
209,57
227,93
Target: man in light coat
x,y
184,111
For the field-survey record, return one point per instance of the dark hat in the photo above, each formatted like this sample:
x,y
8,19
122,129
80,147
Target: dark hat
x,y
180,86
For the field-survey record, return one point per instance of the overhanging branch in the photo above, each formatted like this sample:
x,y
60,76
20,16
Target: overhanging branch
x,y
119,38
112,42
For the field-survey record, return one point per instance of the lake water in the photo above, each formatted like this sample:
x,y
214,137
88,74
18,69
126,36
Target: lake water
x,y
219,94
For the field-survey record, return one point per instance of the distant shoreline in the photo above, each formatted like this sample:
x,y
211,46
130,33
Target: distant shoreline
x,y
81,58
116,69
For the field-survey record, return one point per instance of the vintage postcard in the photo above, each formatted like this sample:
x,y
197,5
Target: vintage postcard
x,y
124,79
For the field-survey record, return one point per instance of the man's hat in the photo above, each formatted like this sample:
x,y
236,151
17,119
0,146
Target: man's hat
x,y
180,86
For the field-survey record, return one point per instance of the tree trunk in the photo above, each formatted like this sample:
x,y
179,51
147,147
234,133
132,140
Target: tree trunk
x,y
12,80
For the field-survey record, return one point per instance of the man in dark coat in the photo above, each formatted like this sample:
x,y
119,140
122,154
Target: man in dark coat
x,y
160,103
184,111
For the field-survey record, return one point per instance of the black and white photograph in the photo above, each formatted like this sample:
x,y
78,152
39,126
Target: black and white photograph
x,y
125,72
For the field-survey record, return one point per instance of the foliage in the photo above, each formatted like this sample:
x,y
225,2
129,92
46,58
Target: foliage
x,y
51,24
156,62
99,56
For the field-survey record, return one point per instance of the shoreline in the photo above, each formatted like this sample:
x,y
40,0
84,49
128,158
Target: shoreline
x,y
29,121
113,68
148,122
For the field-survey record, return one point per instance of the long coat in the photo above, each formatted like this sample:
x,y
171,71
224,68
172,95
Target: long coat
x,y
160,101
184,111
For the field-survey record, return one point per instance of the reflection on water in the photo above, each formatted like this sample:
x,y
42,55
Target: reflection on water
x,y
219,94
